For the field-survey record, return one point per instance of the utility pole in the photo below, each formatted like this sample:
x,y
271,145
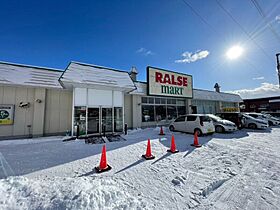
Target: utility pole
x,y
278,67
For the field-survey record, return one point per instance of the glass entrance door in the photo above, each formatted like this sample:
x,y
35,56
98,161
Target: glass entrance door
x,y
93,120
107,119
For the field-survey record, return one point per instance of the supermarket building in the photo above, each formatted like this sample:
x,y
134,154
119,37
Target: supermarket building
x,y
38,101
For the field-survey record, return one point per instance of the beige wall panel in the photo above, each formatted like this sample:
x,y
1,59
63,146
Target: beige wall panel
x,y
54,114
20,113
65,106
39,112
128,110
58,111
1,94
29,111
136,111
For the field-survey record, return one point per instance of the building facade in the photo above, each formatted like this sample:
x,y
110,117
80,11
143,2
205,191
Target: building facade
x,y
38,101
268,104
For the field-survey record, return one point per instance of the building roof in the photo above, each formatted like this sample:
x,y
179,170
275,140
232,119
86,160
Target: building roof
x,y
80,74
198,94
19,74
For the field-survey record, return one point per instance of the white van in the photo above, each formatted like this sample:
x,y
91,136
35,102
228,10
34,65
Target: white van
x,y
200,123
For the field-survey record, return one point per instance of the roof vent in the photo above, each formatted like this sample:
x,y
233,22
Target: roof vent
x,y
133,73
217,87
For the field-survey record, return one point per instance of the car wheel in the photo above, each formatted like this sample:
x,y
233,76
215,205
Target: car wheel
x,y
252,126
171,128
270,123
198,131
219,129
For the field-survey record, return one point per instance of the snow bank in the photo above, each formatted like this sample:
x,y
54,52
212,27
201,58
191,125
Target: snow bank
x,y
65,193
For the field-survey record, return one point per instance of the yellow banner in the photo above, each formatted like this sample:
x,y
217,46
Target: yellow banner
x,y
230,109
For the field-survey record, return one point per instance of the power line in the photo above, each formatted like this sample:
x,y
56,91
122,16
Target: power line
x,y
243,29
213,29
198,15
259,9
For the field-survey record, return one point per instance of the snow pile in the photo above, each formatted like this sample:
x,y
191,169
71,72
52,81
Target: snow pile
x,y
65,193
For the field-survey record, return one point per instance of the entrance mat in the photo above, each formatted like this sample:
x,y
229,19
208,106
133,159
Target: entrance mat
x,y
100,139
116,137
94,140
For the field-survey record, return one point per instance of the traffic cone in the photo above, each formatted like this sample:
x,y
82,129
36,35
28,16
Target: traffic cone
x,y
195,142
103,166
161,131
148,155
172,146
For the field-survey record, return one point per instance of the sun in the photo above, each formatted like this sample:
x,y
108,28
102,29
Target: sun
x,y
234,52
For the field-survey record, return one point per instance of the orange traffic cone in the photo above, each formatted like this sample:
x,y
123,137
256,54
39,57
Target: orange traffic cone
x,y
148,155
161,131
195,142
172,146
103,166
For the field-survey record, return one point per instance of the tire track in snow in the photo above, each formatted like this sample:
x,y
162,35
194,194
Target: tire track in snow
x,y
5,168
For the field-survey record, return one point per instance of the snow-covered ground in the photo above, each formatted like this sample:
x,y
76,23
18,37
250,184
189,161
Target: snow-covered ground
x,y
230,171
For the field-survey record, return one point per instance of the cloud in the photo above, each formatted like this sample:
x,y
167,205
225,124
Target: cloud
x,y
189,57
144,51
265,90
277,18
258,78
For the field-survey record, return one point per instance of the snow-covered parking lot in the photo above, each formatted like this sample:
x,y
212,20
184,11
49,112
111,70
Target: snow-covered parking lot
x,y
230,171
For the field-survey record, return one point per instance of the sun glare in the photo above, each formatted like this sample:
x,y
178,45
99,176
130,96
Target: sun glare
x,y
234,52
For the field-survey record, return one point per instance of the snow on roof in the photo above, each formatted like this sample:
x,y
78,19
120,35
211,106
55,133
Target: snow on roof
x,y
18,74
141,88
87,74
215,96
197,94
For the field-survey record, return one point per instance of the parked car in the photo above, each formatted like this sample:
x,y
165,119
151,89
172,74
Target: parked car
x,y
200,123
235,117
271,120
222,125
273,114
253,123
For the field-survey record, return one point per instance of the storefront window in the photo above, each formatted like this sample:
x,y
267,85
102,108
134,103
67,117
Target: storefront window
x,y
80,119
118,119
171,112
156,108
181,110
144,100
160,113
148,113
157,100
171,101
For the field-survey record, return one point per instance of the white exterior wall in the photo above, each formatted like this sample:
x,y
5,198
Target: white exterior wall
x,y
94,97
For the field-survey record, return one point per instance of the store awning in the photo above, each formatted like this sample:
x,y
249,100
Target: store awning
x,y
97,77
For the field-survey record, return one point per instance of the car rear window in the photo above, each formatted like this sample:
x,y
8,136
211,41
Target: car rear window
x,y
191,118
180,119
205,119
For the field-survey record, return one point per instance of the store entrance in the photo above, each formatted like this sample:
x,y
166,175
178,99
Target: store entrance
x,y
107,120
97,120
93,121
100,121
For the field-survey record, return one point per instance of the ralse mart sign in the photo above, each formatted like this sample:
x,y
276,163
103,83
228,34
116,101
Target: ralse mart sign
x,y
168,83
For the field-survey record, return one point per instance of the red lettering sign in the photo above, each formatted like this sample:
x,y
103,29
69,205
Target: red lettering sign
x,y
171,79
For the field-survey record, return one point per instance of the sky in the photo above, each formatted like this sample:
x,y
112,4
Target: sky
x,y
188,36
